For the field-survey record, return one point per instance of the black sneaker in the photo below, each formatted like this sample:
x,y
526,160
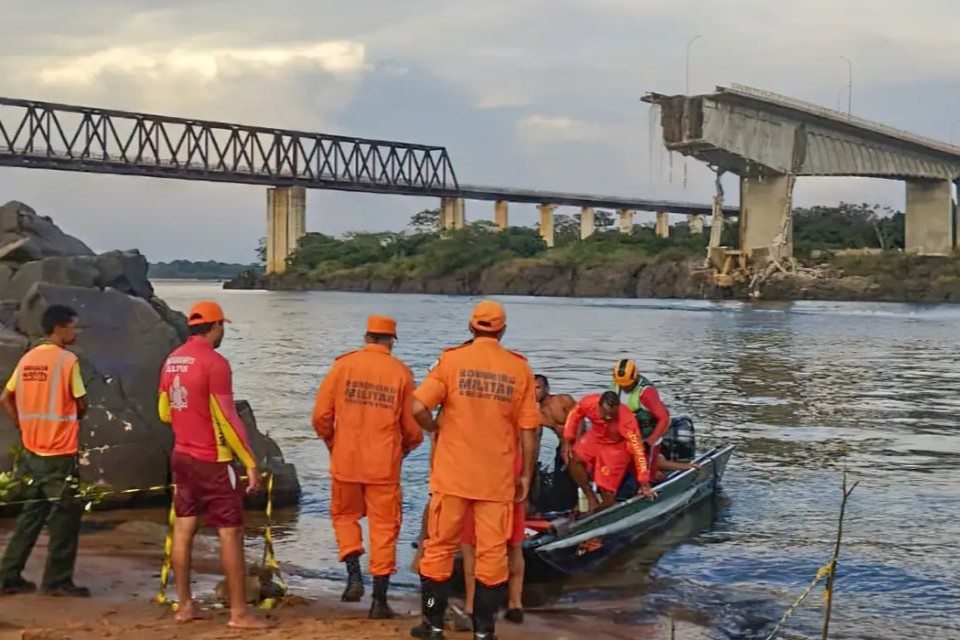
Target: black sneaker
x,y
16,586
65,591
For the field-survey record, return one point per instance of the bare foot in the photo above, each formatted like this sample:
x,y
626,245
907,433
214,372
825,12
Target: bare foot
x,y
186,613
247,621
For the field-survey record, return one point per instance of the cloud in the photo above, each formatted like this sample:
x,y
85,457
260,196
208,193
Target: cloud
x,y
535,94
206,64
539,129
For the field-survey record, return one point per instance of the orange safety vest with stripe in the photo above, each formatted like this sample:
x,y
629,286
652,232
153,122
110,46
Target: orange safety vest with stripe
x,y
46,405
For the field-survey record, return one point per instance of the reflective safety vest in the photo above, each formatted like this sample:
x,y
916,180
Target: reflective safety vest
x,y
46,407
632,400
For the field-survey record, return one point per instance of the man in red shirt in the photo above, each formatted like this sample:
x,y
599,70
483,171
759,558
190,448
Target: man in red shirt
x,y
606,449
196,397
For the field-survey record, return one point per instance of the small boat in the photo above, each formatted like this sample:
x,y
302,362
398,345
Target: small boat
x,y
559,546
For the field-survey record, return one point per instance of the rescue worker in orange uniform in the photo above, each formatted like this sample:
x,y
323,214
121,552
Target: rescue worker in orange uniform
x,y
196,399
364,413
606,449
45,397
488,408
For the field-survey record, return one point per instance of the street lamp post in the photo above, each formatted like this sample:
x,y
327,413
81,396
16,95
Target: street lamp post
x,y
849,84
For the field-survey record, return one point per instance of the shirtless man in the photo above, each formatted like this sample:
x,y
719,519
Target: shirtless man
x,y
553,409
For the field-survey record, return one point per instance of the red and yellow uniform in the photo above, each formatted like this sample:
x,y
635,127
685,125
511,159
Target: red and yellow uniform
x,y
487,396
47,384
196,397
363,412
607,447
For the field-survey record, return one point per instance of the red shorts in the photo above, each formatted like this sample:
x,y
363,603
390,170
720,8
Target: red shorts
x,y
608,462
207,488
517,531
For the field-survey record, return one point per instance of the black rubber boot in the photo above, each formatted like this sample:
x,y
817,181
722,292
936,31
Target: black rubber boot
x,y
433,605
354,590
486,601
379,609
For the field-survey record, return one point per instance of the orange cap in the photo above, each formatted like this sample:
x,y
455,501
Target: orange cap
x,y
488,316
205,312
382,324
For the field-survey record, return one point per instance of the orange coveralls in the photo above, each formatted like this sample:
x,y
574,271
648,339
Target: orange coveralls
x,y
363,412
487,396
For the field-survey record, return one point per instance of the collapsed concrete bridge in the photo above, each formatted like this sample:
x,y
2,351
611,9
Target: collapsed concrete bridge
x,y
770,140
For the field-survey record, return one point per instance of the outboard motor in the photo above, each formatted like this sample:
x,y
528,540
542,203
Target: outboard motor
x,y
680,441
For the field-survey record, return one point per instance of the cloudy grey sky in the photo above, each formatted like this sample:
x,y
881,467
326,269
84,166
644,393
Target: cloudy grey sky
x,y
525,93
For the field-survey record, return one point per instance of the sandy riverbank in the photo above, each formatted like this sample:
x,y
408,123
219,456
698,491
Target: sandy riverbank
x,y
120,564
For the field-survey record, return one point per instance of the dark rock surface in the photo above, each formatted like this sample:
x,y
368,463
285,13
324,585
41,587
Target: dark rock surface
x,y
125,334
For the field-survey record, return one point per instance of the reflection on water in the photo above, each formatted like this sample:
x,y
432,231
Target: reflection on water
x,y
804,390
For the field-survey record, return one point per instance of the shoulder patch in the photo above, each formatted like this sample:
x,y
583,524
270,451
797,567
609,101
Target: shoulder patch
x,y
459,346
348,353
518,354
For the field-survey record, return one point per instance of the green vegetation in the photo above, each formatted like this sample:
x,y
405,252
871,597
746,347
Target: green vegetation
x,y
190,270
424,251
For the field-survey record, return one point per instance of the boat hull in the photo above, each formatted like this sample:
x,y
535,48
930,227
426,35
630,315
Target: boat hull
x,y
586,545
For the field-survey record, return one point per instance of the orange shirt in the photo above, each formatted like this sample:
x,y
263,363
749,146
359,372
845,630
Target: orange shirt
x,y
364,412
487,396
622,431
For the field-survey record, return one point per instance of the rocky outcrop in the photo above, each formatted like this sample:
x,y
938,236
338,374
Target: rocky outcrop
x,y
125,334
886,277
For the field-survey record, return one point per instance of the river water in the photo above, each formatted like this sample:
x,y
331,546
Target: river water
x,y
804,390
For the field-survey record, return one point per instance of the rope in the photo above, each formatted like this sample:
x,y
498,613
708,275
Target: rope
x,y
823,572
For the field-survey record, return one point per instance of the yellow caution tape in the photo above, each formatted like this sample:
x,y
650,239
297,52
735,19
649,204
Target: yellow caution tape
x,y
822,572
167,554
269,558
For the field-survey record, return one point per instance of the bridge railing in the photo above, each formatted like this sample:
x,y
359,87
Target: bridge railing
x,y
40,134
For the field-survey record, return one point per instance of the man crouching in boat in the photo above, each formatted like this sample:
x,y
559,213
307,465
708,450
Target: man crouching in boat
x,y
606,449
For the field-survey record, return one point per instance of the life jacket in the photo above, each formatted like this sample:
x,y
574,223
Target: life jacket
x,y
632,400
45,404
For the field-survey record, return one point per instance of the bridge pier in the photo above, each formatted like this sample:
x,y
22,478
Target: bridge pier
x,y
929,218
626,220
765,215
695,223
546,222
286,224
452,214
662,228
500,214
588,222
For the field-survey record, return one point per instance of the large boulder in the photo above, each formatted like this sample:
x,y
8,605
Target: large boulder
x,y
12,347
125,334
43,238
76,271
125,271
286,486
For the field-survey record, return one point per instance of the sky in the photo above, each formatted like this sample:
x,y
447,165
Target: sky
x,y
522,93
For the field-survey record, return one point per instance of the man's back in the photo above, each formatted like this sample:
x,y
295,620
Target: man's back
x,y
196,396
370,393
487,394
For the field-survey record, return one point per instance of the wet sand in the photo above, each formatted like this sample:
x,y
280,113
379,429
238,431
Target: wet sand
x,y
120,565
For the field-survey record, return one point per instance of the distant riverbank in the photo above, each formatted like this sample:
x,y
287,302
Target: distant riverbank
x,y
887,277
